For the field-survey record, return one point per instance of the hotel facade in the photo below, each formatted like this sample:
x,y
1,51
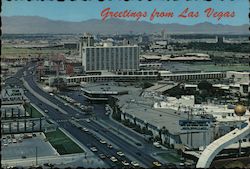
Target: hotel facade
x,y
110,58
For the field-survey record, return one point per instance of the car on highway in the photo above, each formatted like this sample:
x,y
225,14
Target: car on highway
x,y
77,104
103,141
85,129
113,159
181,164
188,164
125,163
48,165
110,146
157,164
138,144
135,164
120,153
102,156
94,149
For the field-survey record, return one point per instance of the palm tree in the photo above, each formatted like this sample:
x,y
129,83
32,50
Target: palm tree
x,y
166,133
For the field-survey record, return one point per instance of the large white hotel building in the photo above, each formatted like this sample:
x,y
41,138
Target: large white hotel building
x,y
110,58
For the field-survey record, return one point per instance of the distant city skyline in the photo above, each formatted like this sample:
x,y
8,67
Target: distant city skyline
x,y
77,11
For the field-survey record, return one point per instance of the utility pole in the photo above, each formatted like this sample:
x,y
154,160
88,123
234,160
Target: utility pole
x,y
36,157
240,147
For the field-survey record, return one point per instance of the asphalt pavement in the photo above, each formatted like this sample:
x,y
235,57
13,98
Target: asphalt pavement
x,y
142,155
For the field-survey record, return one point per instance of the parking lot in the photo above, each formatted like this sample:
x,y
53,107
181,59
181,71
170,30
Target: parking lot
x,y
20,146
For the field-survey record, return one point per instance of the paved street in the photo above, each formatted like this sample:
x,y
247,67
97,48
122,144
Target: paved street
x,y
61,113
118,128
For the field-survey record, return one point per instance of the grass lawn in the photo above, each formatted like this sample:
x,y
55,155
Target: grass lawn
x,y
62,143
172,158
234,164
35,112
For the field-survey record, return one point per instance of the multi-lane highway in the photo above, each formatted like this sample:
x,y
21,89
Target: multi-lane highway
x,y
100,111
86,138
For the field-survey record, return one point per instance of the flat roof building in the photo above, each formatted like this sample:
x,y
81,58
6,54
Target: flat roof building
x,y
111,58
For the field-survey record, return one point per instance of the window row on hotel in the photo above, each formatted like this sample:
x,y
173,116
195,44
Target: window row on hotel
x,y
111,58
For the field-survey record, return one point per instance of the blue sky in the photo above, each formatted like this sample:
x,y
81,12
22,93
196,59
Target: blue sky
x,y
80,10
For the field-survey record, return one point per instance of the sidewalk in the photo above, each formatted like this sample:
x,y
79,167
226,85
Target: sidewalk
x,y
123,126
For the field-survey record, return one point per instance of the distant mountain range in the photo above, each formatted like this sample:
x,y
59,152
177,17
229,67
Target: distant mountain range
x,y
35,24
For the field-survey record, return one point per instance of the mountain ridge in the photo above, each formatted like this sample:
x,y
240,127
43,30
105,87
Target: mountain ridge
x,y
21,25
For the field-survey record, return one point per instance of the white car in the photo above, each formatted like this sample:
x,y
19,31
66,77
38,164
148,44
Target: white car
x,y
157,164
88,120
102,156
103,141
135,164
51,94
120,153
113,159
157,144
85,129
125,163
94,149
181,164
